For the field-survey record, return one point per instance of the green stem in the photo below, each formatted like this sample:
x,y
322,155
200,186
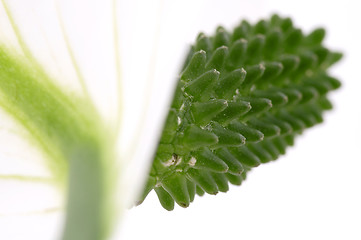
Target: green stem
x,y
89,204
73,135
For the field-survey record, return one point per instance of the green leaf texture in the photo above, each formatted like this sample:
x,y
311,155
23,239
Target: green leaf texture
x,y
242,98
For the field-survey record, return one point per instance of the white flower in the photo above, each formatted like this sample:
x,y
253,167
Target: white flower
x,y
122,57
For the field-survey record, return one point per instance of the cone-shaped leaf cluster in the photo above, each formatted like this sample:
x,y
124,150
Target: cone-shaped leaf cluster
x,y
242,98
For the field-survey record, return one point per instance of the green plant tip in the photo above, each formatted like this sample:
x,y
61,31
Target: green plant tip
x,y
242,98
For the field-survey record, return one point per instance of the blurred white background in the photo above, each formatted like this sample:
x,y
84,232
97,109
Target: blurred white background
x,y
313,192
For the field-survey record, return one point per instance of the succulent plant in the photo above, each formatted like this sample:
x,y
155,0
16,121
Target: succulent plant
x,y
241,99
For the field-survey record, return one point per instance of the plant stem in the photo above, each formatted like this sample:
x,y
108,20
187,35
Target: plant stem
x,y
89,205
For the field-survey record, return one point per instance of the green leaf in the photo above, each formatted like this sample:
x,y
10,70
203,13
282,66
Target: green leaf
x,y
205,159
176,186
251,134
195,66
218,59
243,102
233,111
228,85
204,112
195,137
165,198
201,88
226,137
234,166
204,180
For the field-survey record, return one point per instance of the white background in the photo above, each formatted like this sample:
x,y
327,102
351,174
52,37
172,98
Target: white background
x,y
311,193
